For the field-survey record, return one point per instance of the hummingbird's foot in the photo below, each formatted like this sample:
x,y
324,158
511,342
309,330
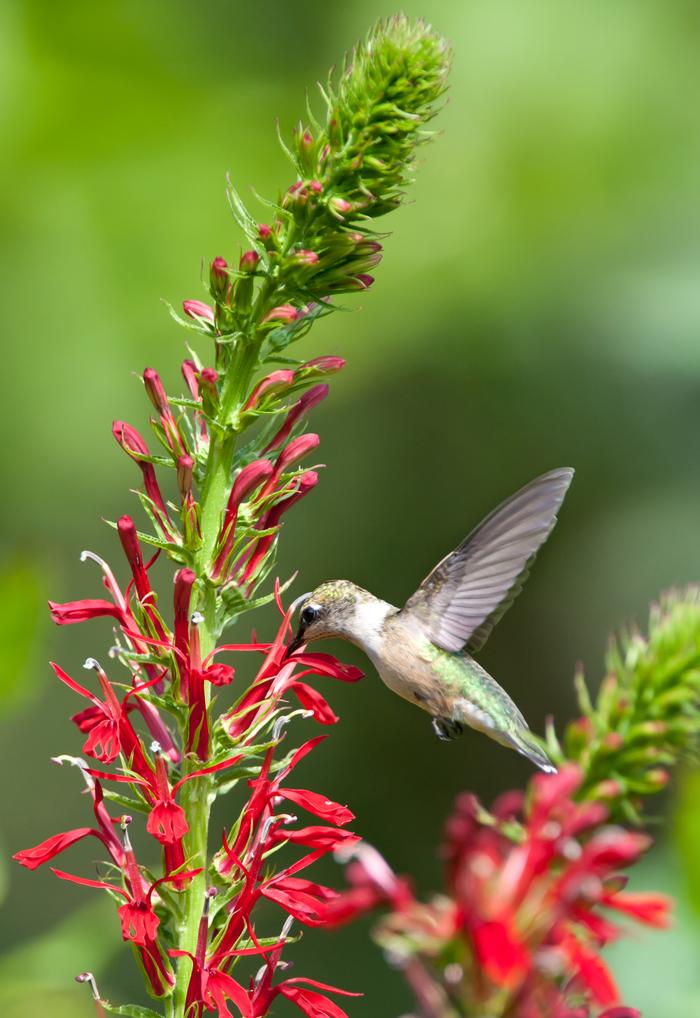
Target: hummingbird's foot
x,y
446,729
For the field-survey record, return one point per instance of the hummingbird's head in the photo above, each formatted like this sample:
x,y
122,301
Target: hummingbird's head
x,y
327,611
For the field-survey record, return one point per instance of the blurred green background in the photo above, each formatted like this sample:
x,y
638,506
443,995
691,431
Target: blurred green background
x,y
538,306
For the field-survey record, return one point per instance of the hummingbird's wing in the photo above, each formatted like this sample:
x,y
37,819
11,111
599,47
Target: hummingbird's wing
x,y
466,594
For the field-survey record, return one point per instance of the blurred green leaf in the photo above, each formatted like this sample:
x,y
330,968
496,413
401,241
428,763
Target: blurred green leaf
x,y
21,597
132,1010
688,834
87,939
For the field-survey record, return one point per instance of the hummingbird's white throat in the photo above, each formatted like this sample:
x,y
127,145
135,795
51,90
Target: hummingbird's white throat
x,y
367,622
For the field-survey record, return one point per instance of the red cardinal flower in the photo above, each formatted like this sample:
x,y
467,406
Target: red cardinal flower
x,y
166,821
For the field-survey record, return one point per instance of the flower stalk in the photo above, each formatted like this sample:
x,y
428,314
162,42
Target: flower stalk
x,y
156,741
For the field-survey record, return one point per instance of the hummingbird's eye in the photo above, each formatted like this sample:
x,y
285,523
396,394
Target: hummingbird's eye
x,y
310,614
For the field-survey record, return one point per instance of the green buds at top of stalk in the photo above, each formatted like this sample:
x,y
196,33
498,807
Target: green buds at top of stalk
x,y
376,115
646,714
351,166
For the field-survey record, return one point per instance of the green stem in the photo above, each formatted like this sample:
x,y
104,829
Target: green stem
x,y
195,797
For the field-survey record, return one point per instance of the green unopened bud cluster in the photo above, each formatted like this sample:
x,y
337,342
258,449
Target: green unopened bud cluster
x,y
352,167
646,714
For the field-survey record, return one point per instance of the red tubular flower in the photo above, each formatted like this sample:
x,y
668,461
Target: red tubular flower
x,y
184,581
102,724
311,398
166,821
135,447
198,719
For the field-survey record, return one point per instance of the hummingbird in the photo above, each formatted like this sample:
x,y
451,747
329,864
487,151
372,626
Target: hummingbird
x,y
424,651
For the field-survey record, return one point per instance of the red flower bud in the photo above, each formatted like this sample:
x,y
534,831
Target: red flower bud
x,y
219,279
250,478
185,465
322,365
311,398
296,450
189,373
276,382
134,446
365,280
156,392
132,549
249,261
199,311
271,520
208,388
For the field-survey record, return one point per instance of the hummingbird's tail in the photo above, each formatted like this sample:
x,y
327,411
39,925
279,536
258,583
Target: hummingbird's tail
x,y
525,743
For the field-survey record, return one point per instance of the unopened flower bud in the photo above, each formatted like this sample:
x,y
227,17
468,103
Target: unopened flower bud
x,y
185,465
285,314
219,280
321,366
311,398
156,392
296,450
189,373
208,379
365,280
267,237
339,207
275,383
658,777
305,257
249,261
198,311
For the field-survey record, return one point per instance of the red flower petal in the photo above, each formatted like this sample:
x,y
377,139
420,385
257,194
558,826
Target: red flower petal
x,y
504,958
32,858
319,805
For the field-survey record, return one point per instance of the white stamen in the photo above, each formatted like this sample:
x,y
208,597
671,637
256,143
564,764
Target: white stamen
x,y
112,584
196,618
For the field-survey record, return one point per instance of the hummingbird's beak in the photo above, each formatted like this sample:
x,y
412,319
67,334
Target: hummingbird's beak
x,y
299,638
295,644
